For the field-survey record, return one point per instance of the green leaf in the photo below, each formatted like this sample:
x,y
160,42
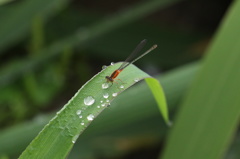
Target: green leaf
x,y
58,137
159,96
11,34
16,23
2,2
174,83
210,112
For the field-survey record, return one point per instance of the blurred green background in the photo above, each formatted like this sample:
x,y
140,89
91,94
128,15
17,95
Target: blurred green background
x,y
49,49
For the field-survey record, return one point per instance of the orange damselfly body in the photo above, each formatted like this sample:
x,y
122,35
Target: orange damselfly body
x,y
130,60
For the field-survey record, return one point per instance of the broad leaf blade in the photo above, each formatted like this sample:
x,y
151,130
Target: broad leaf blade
x,y
174,83
58,137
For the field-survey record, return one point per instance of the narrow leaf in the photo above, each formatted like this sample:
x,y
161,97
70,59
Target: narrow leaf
x,y
58,137
210,113
159,96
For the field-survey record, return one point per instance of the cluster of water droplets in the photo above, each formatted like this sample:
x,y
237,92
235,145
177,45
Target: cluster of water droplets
x,y
108,96
79,113
106,99
89,101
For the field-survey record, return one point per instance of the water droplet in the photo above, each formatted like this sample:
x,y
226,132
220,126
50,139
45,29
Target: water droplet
x,y
80,116
105,95
74,139
90,117
101,101
107,100
114,94
136,80
112,63
122,86
105,85
89,100
103,105
104,66
78,112
98,106
82,123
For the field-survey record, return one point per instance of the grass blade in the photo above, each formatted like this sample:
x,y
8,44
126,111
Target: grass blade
x,y
14,25
2,2
210,113
159,96
174,82
58,137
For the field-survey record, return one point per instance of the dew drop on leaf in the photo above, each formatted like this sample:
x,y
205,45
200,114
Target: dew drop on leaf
x,y
74,139
90,117
105,95
122,86
89,100
104,66
78,112
114,94
105,85
136,80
